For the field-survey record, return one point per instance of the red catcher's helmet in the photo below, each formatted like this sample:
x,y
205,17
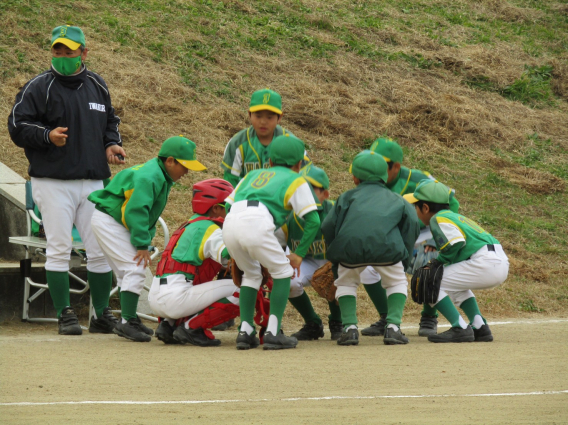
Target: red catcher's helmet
x,y
207,193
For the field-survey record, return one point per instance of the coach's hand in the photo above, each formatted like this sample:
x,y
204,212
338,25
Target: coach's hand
x,y
142,256
112,153
58,137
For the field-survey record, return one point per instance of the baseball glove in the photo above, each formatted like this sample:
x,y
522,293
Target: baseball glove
x,y
237,274
425,283
323,282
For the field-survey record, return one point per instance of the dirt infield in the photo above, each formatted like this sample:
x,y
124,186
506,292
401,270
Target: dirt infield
x,y
521,377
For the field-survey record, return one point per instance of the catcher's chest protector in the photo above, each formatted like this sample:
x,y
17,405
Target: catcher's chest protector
x,y
167,265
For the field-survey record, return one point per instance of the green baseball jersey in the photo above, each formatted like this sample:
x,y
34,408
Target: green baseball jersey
x,y
201,240
135,198
294,230
280,189
457,237
408,179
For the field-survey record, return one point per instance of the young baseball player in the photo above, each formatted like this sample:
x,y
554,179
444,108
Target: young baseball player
x,y
370,226
472,258
124,222
65,121
261,203
314,259
248,149
184,285
403,180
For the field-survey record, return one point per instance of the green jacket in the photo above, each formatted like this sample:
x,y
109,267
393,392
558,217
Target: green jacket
x,y
370,225
135,198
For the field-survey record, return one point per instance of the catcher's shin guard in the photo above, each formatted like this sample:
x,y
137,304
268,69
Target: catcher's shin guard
x,y
216,314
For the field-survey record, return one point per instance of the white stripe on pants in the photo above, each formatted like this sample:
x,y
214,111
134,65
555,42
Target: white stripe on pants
x,y
63,203
114,241
179,298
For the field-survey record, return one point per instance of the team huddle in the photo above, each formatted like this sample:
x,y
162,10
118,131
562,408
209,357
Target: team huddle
x,y
269,222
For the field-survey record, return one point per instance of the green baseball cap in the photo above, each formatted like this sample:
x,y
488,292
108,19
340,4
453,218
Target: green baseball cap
x,y
183,150
72,37
388,148
315,176
286,150
266,100
430,191
369,166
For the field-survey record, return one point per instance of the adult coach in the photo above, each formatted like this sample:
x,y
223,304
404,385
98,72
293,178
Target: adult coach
x,y
64,120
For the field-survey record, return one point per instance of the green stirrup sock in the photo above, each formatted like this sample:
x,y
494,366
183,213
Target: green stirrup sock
x,y
427,310
247,301
58,284
471,309
449,311
335,311
348,306
100,284
128,304
279,298
305,308
378,295
396,303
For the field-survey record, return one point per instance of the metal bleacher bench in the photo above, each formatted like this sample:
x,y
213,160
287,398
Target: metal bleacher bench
x,y
37,245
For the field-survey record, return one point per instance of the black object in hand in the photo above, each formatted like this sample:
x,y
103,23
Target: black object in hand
x,y
119,156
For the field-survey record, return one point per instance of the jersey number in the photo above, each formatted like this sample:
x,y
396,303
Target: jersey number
x,y
262,179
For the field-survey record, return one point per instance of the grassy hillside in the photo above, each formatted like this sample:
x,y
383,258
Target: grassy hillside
x,y
475,91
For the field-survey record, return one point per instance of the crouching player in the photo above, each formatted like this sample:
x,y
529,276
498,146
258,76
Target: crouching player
x,y
183,286
472,258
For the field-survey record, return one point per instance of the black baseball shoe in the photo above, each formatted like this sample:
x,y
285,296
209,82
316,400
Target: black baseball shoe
x,y
377,328
145,328
165,333
246,341
194,337
454,335
69,323
335,329
224,326
104,324
428,326
309,332
393,337
483,334
278,342
349,337
132,330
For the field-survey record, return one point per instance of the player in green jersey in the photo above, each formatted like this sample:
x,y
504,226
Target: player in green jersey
x,y
260,204
472,258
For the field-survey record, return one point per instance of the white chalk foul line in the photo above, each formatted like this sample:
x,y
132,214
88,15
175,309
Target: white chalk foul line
x,y
373,397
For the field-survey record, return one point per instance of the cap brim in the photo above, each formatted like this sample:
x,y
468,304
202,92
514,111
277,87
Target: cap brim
x,y
410,198
265,108
192,165
314,182
69,43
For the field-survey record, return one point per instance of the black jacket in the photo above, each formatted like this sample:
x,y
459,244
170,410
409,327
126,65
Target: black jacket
x,y
80,102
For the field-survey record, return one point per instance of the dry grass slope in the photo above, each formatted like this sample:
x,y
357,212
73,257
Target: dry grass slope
x,y
432,77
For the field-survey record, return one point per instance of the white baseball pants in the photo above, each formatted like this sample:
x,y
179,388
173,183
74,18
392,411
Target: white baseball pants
x,y
307,268
393,279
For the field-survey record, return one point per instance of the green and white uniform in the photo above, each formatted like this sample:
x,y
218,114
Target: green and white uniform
x,y
473,258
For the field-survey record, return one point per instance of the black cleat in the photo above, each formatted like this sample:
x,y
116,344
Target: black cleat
x,y
454,335
69,323
194,337
278,342
428,326
165,333
377,328
104,324
336,329
309,332
483,334
349,337
393,337
132,330
224,326
246,341
145,328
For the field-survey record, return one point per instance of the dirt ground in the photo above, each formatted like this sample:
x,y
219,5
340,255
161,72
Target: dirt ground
x,y
522,378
